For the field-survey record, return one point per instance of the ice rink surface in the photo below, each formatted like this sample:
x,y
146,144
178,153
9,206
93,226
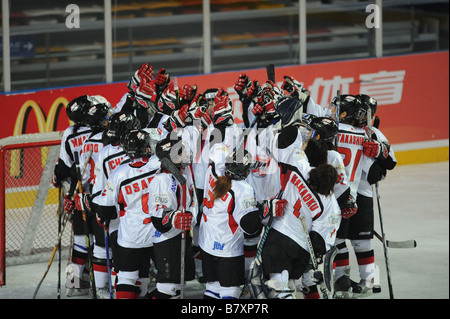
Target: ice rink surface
x,y
415,205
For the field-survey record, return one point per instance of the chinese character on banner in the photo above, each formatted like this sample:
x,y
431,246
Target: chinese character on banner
x,y
330,88
385,87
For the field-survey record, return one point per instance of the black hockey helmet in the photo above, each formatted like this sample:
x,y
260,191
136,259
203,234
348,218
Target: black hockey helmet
x,y
173,148
97,115
369,101
119,124
326,127
353,106
290,110
137,143
77,108
238,164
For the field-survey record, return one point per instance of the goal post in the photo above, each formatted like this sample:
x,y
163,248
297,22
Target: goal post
x,y
28,200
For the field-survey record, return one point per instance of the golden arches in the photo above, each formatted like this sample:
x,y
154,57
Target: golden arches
x,y
45,124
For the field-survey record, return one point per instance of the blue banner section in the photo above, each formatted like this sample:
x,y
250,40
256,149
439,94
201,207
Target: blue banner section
x,y
22,46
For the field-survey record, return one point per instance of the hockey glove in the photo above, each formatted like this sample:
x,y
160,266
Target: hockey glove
x,y
266,102
177,119
161,80
177,219
254,91
104,214
197,114
349,208
69,204
376,149
295,88
241,86
146,93
146,71
188,93
168,101
222,111
82,202
273,208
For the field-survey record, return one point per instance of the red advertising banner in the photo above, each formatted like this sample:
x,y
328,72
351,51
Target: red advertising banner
x,y
411,90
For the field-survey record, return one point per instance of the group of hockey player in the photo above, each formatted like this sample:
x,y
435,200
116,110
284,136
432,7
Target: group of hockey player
x,y
165,187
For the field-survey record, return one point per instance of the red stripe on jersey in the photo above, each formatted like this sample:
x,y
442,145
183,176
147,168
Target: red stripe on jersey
x,y
121,201
231,222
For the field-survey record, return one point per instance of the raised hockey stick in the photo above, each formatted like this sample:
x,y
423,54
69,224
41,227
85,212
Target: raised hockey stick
x,y
85,224
270,69
58,243
338,106
322,286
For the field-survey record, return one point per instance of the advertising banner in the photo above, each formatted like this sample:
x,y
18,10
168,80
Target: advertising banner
x,y
411,90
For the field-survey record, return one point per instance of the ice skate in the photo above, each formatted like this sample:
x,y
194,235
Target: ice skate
x,y
102,293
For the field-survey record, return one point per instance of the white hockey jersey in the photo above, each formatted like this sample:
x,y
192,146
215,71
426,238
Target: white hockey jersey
x,y
93,145
264,176
350,146
109,158
72,142
128,189
165,192
322,213
335,160
220,233
364,188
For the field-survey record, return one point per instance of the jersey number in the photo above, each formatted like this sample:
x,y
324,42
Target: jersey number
x,y
348,160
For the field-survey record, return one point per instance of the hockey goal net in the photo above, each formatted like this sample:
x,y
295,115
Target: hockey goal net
x,y
28,201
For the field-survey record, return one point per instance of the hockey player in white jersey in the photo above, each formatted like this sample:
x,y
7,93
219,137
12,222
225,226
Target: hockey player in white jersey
x,y
285,255
125,196
170,205
71,143
229,210
350,145
109,158
96,117
379,157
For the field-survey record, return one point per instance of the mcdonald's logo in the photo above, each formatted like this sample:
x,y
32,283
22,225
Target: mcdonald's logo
x,y
45,124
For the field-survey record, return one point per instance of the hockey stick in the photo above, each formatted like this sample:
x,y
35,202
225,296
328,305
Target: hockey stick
x,y
338,106
60,208
262,242
66,218
58,243
397,244
315,265
108,263
383,237
85,224
170,166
